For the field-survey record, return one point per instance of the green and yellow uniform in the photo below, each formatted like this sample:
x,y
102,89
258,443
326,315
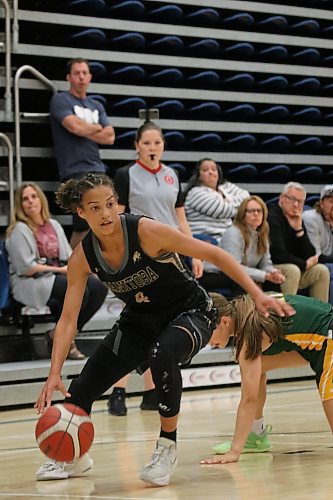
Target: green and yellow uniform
x,y
309,332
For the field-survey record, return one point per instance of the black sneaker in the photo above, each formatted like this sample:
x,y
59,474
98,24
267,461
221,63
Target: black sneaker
x,y
116,403
149,401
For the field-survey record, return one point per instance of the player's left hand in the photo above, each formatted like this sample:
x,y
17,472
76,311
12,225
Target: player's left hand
x,y
197,267
265,302
222,459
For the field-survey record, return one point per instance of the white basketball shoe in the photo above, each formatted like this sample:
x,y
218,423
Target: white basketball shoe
x,y
63,470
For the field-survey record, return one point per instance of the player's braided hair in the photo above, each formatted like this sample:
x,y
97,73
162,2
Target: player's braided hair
x,y
70,193
249,324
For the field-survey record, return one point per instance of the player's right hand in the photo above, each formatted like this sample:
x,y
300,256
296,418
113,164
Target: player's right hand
x,y
53,383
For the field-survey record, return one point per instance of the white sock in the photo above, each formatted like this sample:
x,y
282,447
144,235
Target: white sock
x,y
258,426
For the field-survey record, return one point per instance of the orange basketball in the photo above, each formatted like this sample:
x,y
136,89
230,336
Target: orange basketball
x,y
64,432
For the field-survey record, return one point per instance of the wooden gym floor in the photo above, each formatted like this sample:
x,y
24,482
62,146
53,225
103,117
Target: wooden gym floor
x,y
299,467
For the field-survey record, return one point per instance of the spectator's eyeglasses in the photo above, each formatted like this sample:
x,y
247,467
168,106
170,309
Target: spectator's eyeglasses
x,y
293,199
254,210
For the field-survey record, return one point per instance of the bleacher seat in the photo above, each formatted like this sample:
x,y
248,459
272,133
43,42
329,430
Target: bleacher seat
x,y
99,98
130,41
89,38
205,47
170,106
309,84
126,139
132,74
84,6
328,59
273,24
242,171
327,31
328,87
204,16
128,8
276,172
276,142
240,112
312,199
130,105
206,141
179,167
309,114
242,141
165,14
275,83
174,138
309,173
306,56
274,53
309,144
272,201
97,69
274,113
239,81
205,78
306,27
169,43
206,110
168,76
242,50
238,21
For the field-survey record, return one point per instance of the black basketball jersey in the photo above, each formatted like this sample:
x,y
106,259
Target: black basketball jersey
x,y
147,285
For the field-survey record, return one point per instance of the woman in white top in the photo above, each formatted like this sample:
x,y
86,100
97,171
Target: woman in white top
x,y
211,202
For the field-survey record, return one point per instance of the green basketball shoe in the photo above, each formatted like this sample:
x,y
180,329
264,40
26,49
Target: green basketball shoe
x,y
254,443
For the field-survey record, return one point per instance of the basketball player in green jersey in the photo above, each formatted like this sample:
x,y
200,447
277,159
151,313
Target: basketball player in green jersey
x,y
266,343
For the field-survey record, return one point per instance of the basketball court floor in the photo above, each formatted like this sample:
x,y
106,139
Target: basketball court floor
x,y
300,467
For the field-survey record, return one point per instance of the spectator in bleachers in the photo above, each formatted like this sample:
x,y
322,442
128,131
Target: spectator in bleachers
x,y
248,241
38,252
151,188
211,202
79,124
319,225
291,250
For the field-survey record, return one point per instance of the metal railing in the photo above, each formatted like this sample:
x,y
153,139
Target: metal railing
x,y
8,64
7,141
48,83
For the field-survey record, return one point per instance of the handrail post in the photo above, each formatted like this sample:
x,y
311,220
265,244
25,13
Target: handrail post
x,y
15,25
10,148
48,83
8,66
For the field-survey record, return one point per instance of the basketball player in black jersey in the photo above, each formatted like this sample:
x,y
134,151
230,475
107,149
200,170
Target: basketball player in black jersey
x,y
167,319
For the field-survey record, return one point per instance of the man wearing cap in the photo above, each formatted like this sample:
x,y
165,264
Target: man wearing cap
x,y
291,249
319,225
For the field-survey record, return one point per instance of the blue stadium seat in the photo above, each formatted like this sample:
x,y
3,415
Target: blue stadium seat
x,y
179,167
272,201
310,172
85,6
168,76
99,98
205,78
239,81
130,105
206,47
240,49
166,13
309,84
242,171
170,106
204,16
327,31
328,117
309,144
276,172
275,83
274,53
242,141
275,113
306,56
328,59
97,69
168,43
306,27
129,8
237,21
310,114
206,141
240,112
273,23
312,199
131,73
206,110
276,143
126,139
131,41
174,138
89,38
